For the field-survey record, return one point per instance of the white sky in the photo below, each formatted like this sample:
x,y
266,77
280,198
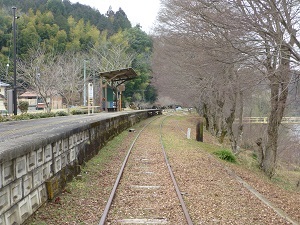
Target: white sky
x,y
143,12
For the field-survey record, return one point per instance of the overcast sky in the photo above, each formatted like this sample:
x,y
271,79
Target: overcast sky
x,y
143,12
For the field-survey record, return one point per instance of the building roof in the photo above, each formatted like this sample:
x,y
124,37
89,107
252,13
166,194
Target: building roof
x,y
28,94
119,75
2,84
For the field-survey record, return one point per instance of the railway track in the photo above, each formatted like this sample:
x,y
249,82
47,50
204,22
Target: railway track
x,y
145,191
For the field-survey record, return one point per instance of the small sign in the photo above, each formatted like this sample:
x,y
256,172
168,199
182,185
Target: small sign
x,y
91,91
121,87
188,135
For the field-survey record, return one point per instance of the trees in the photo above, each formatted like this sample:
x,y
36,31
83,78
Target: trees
x,y
50,74
275,23
203,57
40,73
112,53
70,82
55,38
218,43
142,45
129,48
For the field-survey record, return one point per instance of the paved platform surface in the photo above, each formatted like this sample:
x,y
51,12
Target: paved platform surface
x,y
17,131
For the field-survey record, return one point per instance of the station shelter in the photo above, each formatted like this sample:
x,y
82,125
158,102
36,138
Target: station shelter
x,y
112,84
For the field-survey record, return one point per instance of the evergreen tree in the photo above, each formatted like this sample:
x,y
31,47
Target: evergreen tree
x,y
58,26
120,21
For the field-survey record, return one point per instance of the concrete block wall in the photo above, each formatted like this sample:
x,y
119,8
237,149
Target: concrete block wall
x,y
30,179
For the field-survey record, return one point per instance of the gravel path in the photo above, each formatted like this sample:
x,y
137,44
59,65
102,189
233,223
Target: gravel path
x,y
212,195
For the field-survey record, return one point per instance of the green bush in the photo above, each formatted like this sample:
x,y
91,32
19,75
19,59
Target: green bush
x,y
34,116
61,113
49,114
5,118
226,155
23,106
24,116
28,116
78,111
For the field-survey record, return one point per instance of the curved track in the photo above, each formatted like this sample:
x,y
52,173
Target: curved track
x,y
145,191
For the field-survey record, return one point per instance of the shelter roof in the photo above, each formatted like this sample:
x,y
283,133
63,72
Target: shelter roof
x,y
119,75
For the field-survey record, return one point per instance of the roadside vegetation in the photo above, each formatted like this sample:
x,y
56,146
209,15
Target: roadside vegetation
x,y
39,115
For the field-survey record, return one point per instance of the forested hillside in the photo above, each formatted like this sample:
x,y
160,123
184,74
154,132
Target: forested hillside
x,y
52,28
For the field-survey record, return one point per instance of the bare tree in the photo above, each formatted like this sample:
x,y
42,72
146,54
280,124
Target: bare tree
x,y
275,25
236,36
209,59
108,57
69,75
39,73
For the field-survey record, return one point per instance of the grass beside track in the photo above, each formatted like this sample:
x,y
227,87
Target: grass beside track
x,y
284,178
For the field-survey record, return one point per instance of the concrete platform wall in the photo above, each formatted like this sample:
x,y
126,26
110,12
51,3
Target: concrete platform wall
x,y
27,180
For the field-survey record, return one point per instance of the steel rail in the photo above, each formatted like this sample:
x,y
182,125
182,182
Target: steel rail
x,y
179,195
111,197
113,192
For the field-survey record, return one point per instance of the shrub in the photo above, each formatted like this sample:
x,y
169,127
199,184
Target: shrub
x,y
34,116
226,155
61,113
23,106
254,155
44,115
5,118
23,116
78,111
49,114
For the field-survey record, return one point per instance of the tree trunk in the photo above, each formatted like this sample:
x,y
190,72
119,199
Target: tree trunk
x,y
260,153
279,92
241,112
223,134
205,115
233,141
220,128
229,122
232,95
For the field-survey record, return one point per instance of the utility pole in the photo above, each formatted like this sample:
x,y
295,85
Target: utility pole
x,y
15,64
84,82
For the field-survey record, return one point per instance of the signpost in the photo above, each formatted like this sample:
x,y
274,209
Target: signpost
x,y
91,97
121,88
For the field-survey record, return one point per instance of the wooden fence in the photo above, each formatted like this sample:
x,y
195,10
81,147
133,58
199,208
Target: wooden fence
x,y
264,120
